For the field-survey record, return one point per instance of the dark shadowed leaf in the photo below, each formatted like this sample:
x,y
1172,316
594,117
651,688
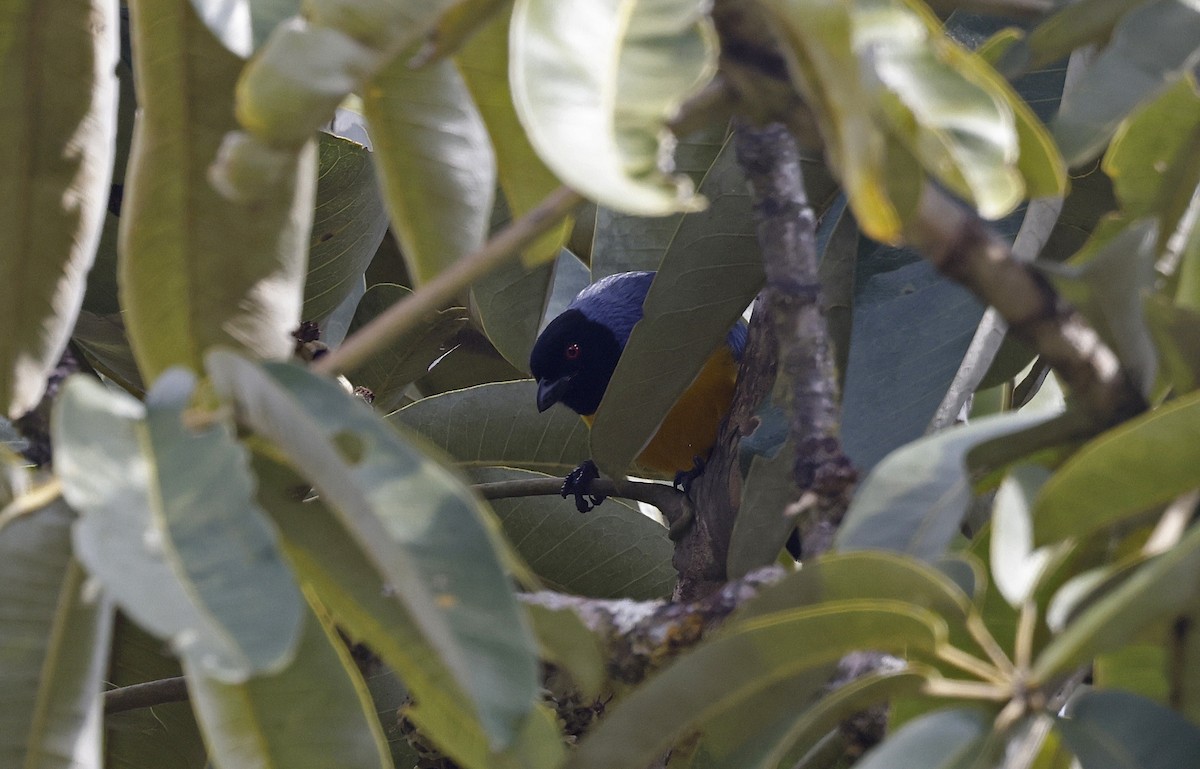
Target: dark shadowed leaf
x,y
196,269
1144,462
914,500
169,526
313,714
1117,730
348,225
55,643
613,551
390,371
435,160
412,518
594,85
499,424
56,159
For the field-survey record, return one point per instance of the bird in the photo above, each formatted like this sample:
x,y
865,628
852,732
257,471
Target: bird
x,y
573,361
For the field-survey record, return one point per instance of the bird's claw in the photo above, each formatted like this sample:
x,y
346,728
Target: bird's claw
x,y
578,482
685,478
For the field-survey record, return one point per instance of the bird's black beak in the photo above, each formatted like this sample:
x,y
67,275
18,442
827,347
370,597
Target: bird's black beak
x,y
551,391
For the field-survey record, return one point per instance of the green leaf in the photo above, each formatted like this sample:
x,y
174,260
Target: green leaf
x,y
525,180
1016,565
1071,27
1153,159
1116,730
358,594
196,269
348,225
55,643
613,551
1176,333
498,424
148,738
1160,588
1151,47
625,242
594,84
945,104
411,517
103,341
509,302
709,275
313,714
243,25
170,528
56,139
389,372
817,41
570,646
436,163
761,527
944,739
734,668
1127,470
914,500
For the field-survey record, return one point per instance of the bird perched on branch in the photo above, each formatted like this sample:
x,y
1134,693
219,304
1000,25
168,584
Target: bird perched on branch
x,y
574,359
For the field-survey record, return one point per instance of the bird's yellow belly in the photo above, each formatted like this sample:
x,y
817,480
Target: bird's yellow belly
x,y
690,427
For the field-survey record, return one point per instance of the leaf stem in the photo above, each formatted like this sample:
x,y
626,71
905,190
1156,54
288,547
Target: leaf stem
x,y
1026,624
979,631
434,295
971,664
970,690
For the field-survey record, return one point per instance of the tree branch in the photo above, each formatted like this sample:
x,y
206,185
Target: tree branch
x,y
808,379
145,695
667,499
391,324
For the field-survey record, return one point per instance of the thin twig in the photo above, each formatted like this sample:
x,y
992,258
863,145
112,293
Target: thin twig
x,y
145,695
437,293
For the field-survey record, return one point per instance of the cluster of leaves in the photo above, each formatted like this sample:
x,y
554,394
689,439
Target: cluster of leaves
x,y
217,513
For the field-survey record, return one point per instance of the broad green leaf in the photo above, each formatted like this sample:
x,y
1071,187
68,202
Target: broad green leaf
x,y
734,668
498,424
761,527
348,225
358,596
817,40
462,21
944,739
1127,470
1116,730
1152,46
509,300
1143,668
314,714
625,242
613,551
594,84
436,163
55,647
1071,27
197,270
1016,565
169,526
165,735
944,103
524,179
570,646
57,137
914,500
709,275
1160,588
390,371
1176,333
412,519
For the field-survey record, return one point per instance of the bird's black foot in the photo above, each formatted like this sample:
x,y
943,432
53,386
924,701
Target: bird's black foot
x,y
578,482
685,478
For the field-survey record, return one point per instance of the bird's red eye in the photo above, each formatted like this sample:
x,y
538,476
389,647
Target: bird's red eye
x,y
572,351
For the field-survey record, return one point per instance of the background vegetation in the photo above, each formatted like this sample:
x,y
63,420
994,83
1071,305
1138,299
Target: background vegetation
x,y
213,553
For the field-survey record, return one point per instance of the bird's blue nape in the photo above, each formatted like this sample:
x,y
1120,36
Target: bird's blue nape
x,y
615,301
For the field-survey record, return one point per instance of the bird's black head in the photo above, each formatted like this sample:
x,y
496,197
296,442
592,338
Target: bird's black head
x,y
572,360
